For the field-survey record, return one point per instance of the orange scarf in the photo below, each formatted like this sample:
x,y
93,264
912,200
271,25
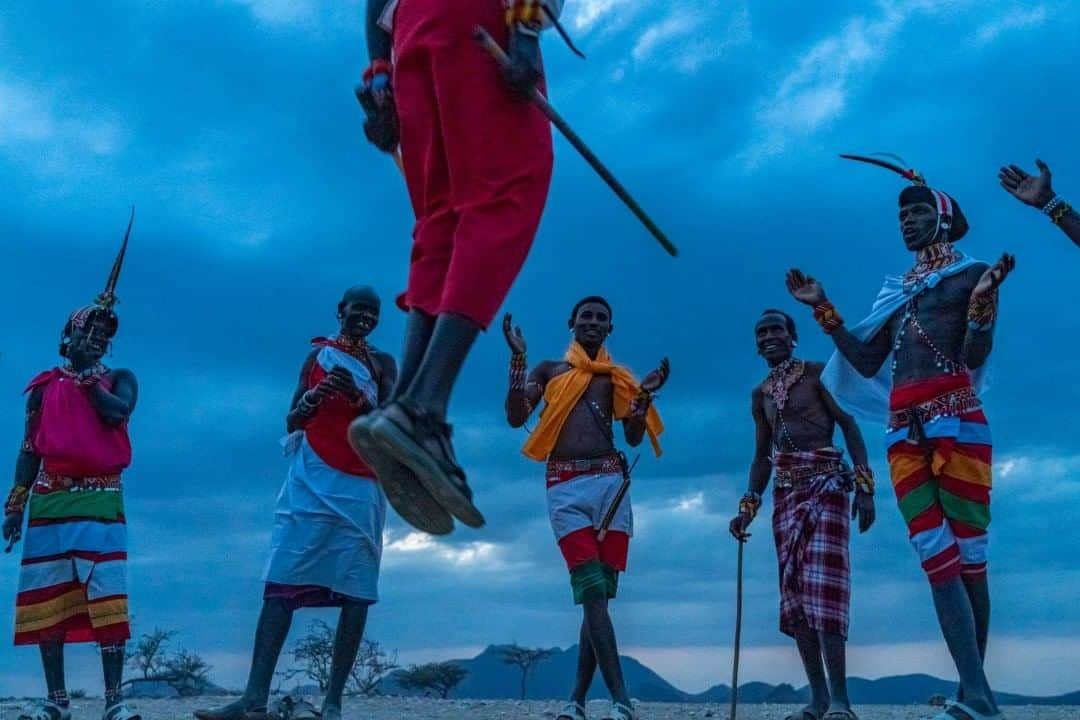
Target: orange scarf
x,y
564,391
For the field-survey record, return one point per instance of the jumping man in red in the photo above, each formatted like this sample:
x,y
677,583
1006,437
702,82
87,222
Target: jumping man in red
x,y
477,161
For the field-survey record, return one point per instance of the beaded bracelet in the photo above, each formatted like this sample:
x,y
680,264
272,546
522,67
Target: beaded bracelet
x,y
379,66
524,12
749,504
1060,212
827,317
16,500
518,367
864,479
982,309
1055,201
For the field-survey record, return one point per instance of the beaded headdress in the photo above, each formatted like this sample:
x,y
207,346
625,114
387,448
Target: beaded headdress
x,y
951,220
103,304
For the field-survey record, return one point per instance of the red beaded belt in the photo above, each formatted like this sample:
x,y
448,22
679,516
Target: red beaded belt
x,y
51,482
949,404
562,470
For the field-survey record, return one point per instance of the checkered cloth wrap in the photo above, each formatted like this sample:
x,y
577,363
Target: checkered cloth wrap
x,y
811,529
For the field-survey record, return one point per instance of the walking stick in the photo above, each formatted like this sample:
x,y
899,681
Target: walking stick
x,y
738,632
483,37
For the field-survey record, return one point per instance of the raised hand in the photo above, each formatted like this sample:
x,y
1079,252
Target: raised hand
x,y
514,337
804,288
994,276
656,379
1033,190
863,509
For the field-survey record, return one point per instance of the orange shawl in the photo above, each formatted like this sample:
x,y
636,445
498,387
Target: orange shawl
x,y
564,391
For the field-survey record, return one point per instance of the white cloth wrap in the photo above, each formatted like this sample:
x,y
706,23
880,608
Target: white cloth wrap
x,y
327,526
583,501
868,398
329,357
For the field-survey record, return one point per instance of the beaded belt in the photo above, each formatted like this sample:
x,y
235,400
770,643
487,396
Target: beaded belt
x,y
950,404
51,482
562,470
800,474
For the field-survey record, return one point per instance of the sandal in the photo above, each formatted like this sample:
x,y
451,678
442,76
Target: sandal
x,y
847,714
120,711
968,712
404,492
619,711
292,708
572,711
45,710
422,443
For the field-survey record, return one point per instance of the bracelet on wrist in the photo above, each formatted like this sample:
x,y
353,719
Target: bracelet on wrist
x,y
864,479
378,66
827,317
16,500
1060,212
749,504
525,14
982,311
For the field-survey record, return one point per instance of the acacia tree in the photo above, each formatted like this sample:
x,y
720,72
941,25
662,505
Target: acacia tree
x,y
442,677
524,658
315,651
187,673
371,666
148,655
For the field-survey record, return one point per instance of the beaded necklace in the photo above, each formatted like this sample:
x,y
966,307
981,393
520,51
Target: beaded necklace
x,y
928,261
778,384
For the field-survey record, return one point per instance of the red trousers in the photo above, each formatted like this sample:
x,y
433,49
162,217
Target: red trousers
x,y
477,159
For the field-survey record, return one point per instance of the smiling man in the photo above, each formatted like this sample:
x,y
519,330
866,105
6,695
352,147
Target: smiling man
x,y
587,479
327,541
936,323
794,420
73,580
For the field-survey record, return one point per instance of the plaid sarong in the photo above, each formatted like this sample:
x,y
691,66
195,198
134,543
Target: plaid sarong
x,y
811,529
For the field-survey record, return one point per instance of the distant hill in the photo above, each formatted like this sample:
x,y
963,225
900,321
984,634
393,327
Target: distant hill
x,y
490,678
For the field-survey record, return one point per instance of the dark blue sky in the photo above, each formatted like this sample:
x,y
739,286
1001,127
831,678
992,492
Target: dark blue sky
x,y
232,127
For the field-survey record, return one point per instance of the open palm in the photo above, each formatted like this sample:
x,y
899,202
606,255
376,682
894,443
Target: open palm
x,y
1034,190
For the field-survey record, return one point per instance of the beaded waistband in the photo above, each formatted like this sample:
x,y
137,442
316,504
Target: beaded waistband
x,y
949,404
562,470
801,474
51,482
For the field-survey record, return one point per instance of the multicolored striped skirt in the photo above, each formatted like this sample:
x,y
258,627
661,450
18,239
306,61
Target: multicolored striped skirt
x,y
939,451
73,580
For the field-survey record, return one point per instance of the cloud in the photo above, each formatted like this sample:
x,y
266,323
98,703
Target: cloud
x,y
1016,19
688,38
51,136
816,91
590,12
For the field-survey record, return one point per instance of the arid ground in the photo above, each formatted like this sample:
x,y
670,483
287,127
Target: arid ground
x,y
427,709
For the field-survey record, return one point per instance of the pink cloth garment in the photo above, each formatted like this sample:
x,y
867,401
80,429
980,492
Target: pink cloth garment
x,y
68,433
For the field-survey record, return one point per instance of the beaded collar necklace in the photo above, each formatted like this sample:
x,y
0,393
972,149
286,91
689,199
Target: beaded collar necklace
x,y
931,259
778,385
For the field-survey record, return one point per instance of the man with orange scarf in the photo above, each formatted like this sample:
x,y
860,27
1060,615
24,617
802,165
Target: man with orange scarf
x,y
583,394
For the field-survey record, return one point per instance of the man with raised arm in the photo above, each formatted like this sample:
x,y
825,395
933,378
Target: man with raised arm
x,y
1036,191
916,364
583,394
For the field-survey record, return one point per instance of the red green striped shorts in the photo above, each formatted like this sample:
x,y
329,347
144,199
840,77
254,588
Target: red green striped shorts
x,y
943,484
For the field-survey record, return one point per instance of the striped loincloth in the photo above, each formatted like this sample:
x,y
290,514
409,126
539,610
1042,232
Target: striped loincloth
x,y
73,579
811,529
942,482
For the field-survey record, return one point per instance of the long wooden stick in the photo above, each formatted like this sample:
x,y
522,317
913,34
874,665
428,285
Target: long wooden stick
x,y
488,43
738,633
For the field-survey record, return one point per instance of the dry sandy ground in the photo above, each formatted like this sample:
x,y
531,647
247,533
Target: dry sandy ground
x,y
425,709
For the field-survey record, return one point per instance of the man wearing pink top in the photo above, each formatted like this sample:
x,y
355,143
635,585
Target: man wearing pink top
x,y
73,584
